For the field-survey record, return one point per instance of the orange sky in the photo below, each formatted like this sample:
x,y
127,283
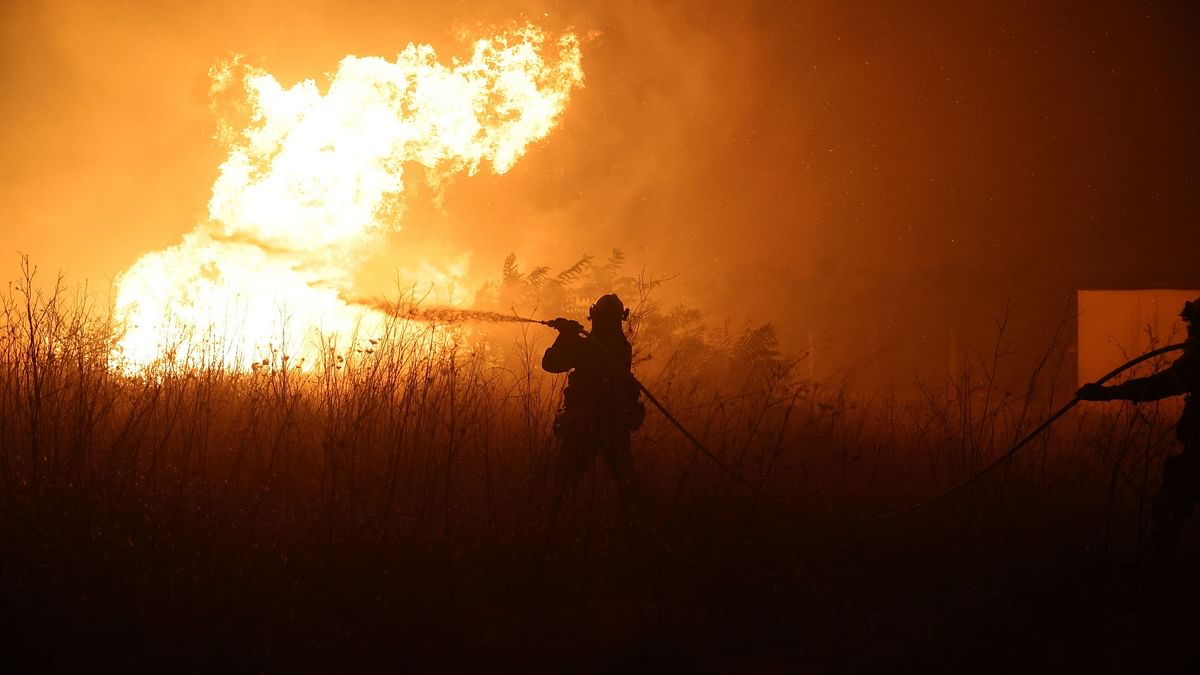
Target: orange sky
x,y
814,163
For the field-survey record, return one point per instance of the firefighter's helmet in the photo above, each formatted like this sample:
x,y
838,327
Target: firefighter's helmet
x,y
1191,313
608,307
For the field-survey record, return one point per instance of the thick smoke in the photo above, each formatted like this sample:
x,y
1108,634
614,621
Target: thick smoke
x,y
854,172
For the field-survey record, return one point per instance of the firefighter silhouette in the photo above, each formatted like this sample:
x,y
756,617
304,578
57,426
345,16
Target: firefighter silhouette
x,y
1180,488
600,403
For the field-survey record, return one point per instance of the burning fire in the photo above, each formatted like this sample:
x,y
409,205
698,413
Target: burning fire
x,y
316,180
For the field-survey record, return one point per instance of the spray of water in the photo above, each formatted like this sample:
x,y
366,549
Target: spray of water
x,y
443,315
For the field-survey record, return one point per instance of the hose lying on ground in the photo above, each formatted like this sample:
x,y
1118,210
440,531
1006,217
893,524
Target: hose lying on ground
x,y
917,506
928,501
451,315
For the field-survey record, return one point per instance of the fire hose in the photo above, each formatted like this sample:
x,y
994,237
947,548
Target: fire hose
x,y
928,501
915,506
564,324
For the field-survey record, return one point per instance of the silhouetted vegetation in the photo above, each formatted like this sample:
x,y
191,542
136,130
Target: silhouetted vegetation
x,y
386,510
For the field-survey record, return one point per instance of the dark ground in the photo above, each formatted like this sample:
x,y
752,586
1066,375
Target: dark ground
x,y
723,586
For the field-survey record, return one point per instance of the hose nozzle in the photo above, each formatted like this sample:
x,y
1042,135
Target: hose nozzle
x,y
565,325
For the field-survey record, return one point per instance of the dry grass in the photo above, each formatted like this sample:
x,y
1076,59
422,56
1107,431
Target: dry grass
x,y
388,510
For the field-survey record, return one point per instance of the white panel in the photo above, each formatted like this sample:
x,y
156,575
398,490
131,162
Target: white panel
x,y
1115,326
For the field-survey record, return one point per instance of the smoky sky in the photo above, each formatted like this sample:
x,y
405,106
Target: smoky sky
x,y
871,168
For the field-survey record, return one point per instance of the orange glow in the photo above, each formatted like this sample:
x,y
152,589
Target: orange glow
x,y
313,184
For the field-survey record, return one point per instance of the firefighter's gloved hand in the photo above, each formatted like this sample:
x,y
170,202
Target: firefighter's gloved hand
x,y
566,326
1094,392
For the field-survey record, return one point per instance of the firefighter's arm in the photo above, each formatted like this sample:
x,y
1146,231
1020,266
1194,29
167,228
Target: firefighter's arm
x,y
1170,382
563,355
1159,385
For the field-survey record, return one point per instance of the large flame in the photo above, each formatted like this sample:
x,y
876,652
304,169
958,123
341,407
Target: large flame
x,y
315,181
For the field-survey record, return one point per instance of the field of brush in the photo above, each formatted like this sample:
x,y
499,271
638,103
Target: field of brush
x,y
390,510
